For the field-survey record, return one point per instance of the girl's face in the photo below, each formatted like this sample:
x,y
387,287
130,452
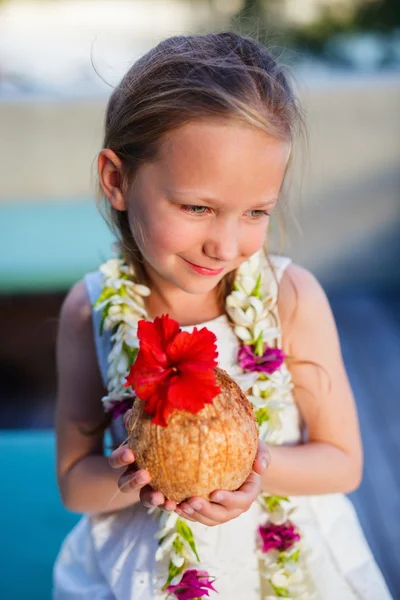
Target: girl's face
x,y
202,206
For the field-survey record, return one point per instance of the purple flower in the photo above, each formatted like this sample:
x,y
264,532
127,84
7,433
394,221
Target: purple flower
x,y
194,584
119,407
280,537
269,362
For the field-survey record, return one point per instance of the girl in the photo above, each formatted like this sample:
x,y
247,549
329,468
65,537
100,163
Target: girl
x,y
197,146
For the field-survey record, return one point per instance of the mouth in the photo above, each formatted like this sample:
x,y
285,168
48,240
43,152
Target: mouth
x,y
204,270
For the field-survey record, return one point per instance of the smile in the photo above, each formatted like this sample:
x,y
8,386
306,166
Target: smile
x,y
204,270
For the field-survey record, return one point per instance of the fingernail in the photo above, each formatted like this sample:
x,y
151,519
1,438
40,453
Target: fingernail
x,y
218,496
140,477
196,505
264,462
188,510
127,456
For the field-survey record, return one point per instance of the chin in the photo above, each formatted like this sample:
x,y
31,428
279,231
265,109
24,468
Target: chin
x,y
196,286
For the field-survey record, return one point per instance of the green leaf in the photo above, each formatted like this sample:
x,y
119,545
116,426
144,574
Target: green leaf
x,y
257,288
262,415
130,352
173,571
273,502
280,591
295,556
103,316
265,394
184,530
259,345
105,294
284,558
178,545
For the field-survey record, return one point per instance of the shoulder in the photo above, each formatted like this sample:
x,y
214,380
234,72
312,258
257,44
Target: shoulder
x,y
299,284
76,310
302,302
76,349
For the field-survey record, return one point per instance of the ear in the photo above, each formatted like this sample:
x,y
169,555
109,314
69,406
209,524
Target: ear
x,y
110,176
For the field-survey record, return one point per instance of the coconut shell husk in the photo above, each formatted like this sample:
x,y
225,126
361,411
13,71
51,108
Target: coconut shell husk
x,y
197,454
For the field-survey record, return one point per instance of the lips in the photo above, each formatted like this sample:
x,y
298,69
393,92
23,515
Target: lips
x,y
205,269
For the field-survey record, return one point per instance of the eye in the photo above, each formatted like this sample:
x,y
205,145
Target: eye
x,y
195,209
256,214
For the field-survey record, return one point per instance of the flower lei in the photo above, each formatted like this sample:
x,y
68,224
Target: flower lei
x,y
267,382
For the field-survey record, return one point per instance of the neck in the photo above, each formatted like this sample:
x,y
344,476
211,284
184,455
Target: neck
x,y
185,308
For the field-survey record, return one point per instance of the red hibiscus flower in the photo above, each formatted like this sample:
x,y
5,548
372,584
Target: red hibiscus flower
x,y
174,369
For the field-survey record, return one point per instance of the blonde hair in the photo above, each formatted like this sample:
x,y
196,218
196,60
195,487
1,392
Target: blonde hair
x,y
184,78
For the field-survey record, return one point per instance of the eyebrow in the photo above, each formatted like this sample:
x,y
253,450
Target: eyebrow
x,y
208,199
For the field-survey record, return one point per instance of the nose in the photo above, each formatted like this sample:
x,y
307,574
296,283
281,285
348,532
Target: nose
x,y
222,241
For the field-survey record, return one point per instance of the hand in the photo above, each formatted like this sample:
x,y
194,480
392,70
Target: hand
x,y
225,505
137,480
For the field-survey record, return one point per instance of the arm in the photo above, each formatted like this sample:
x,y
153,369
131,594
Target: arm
x,y
86,480
331,460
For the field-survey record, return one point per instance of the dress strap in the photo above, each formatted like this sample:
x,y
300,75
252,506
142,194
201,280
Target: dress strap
x,y
93,282
273,268
279,264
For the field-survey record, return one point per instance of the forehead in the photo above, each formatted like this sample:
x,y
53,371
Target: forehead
x,y
223,154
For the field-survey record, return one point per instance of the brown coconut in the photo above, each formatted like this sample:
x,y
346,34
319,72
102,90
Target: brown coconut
x,y
197,454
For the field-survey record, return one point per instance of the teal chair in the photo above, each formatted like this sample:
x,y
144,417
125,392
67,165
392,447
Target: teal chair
x,y
33,521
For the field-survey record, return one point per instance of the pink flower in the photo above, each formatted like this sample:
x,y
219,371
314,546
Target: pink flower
x,y
119,407
269,362
194,584
280,537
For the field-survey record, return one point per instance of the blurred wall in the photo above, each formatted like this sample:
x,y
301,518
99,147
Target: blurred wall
x,y
348,207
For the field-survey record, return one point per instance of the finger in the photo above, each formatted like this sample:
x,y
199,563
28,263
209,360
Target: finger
x,y
207,514
263,458
121,457
180,512
169,505
127,416
150,498
242,498
132,481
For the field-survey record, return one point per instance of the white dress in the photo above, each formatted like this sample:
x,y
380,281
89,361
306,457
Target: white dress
x,y
112,556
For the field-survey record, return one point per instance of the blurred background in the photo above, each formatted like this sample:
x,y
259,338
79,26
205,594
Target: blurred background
x,y
58,62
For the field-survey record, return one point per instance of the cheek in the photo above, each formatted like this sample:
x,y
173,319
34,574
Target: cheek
x,y
161,234
253,239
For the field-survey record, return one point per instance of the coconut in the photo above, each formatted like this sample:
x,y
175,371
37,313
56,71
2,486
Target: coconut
x,y
197,454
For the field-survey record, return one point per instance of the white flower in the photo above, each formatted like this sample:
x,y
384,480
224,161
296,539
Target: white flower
x,y
251,267
278,516
243,317
247,284
165,546
244,380
268,333
243,333
279,579
112,269
122,364
237,299
142,290
269,560
168,522
176,559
